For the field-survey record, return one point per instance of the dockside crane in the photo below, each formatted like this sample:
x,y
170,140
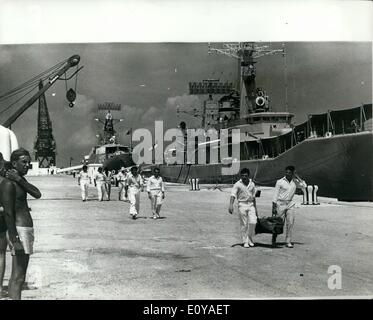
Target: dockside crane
x,y
45,147
56,75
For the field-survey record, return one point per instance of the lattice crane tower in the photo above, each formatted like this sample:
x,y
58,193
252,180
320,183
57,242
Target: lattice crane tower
x,y
45,145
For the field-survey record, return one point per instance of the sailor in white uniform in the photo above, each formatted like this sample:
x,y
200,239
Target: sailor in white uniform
x,y
244,191
99,180
155,189
282,202
134,184
122,176
108,177
84,180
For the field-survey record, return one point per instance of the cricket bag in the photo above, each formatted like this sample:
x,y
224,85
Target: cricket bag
x,y
273,225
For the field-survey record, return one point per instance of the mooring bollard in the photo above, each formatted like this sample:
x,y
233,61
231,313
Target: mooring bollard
x,y
194,184
305,196
314,195
310,194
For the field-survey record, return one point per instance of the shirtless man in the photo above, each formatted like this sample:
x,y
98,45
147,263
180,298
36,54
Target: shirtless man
x,y
9,214
18,218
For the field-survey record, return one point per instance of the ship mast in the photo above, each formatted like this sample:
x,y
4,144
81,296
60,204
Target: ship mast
x,y
109,133
246,53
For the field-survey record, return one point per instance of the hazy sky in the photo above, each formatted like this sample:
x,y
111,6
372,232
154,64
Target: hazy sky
x,y
150,80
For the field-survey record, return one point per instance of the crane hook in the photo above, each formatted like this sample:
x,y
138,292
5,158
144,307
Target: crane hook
x,y
71,96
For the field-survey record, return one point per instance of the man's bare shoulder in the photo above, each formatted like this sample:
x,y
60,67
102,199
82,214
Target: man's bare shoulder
x,y
6,185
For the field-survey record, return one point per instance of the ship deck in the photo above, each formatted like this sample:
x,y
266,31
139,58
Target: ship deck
x,y
93,250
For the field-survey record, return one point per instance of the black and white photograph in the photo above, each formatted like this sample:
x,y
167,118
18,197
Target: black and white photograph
x,y
186,151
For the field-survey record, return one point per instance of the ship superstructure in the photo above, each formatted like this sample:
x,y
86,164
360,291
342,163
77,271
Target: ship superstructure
x,y
108,151
332,150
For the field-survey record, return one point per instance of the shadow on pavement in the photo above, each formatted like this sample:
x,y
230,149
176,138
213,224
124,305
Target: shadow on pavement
x,y
278,244
267,245
237,245
284,243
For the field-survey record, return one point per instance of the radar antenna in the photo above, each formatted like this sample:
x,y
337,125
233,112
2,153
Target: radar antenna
x,y
246,53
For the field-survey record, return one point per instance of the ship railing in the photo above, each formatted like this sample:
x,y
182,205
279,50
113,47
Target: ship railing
x,y
338,122
316,126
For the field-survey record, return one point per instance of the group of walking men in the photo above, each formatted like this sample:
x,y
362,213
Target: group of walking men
x,y
130,184
102,181
16,224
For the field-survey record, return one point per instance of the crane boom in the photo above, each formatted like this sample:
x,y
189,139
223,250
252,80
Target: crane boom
x,y
71,62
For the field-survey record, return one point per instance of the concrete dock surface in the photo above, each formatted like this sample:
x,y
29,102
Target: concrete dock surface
x,y
93,250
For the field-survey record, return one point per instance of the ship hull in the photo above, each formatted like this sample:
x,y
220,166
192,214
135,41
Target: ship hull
x,y
116,162
341,166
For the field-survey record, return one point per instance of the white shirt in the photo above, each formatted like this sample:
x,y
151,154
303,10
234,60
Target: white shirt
x,y
134,182
285,190
155,184
121,176
99,177
84,176
242,192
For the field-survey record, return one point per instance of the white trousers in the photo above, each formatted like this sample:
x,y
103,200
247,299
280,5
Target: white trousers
x,y
120,191
156,201
101,190
84,188
134,198
248,219
287,212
